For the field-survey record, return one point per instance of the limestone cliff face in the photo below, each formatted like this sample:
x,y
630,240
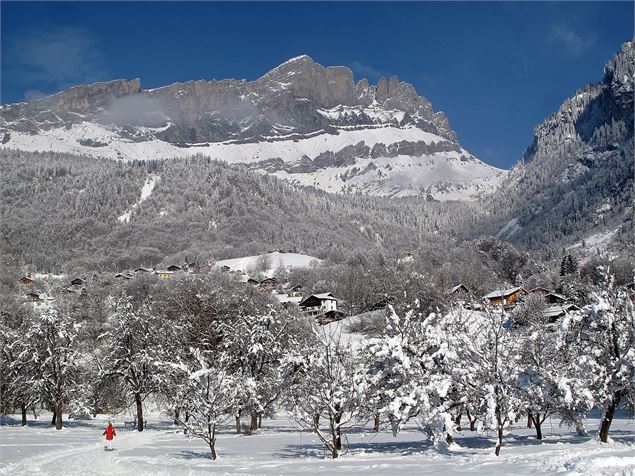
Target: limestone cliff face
x,y
298,97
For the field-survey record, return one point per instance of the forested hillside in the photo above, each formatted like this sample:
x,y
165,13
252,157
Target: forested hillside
x,y
64,211
575,181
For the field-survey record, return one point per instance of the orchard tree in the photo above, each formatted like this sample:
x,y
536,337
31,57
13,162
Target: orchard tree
x,y
51,350
321,386
134,343
602,338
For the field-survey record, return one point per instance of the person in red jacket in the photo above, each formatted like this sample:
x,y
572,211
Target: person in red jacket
x,y
110,434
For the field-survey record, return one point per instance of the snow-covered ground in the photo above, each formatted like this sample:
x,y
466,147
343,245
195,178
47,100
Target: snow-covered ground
x,y
282,448
275,261
444,175
146,191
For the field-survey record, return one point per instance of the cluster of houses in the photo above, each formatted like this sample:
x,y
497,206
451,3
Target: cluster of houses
x,y
161,273
322,306
76,285
556,304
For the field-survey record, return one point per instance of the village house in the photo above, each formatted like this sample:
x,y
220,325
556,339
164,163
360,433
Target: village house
x,y
25,280
295,291
164,273
174,268
33,297
317,304
77,282
271,282
142,271
553,313
541,291
554,298
507,298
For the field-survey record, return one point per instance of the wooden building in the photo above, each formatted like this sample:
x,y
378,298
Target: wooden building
x,y
506,297
77,282
164,273
33,297
25,281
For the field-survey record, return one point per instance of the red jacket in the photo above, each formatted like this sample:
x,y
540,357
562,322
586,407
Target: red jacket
x,y
110,432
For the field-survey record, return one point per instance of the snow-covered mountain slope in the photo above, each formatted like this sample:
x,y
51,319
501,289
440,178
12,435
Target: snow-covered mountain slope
x,y
301,121
575,182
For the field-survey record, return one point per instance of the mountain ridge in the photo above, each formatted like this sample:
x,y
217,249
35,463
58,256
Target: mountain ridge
x,y
292,103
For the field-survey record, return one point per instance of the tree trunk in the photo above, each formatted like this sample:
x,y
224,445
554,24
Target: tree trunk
x,y
254,421
457,422
53,418
316,421
499,441
58,416
376,425
608,417
259,420
471,420
238,429
187,419
336,444
177,414
137,399
338,430
537,422
23,408
212,443
529,420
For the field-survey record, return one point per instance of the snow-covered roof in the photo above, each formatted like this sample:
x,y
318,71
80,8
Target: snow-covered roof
x,y
325,296
457,287
555,311
557,296
283,298
504,293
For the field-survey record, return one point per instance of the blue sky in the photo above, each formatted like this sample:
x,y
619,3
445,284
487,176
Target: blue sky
x,y
496,69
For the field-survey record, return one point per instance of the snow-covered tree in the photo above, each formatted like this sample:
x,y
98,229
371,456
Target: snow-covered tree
x,y
51,350
205,390
485,365
405,375
135,341
321,386
602,339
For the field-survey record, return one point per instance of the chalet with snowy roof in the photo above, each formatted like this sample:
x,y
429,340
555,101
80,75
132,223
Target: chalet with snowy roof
x,y
295,291
120,276
460,289
174,268
225,268
553,313
142,271
554,298
317,304
506,297
271,282
25,281
77,282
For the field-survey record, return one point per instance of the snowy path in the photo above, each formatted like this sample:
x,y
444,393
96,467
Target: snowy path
x,y
280,448
146,191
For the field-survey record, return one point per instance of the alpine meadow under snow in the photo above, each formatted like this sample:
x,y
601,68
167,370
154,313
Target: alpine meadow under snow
x,y
309,274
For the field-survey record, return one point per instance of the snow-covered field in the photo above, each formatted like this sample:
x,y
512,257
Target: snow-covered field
x,y
282,448
275,261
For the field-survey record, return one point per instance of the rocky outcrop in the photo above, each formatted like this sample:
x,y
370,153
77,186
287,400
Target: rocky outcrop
x,y
291,98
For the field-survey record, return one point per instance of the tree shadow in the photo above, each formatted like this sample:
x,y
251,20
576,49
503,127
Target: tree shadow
x,y
193,455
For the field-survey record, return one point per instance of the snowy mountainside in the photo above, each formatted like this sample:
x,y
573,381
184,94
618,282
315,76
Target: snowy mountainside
x,y
575,181
301,121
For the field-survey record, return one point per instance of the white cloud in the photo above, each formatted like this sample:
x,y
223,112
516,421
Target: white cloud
x,y
367,71
573,42
53,59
